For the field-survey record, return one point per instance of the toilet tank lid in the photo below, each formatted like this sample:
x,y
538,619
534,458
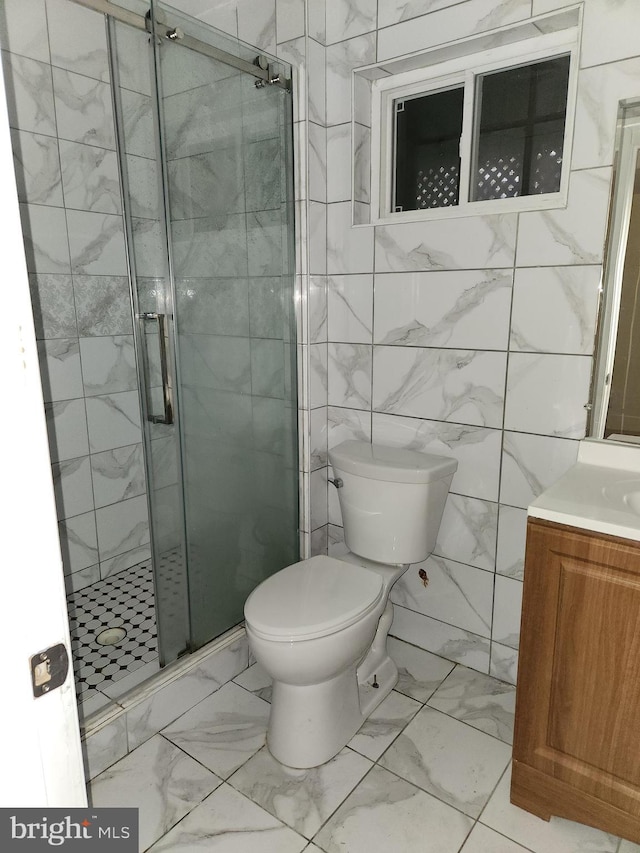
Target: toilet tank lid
x,y
393,464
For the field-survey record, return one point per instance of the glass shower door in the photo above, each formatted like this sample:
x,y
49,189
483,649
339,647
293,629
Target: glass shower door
x,y
227,160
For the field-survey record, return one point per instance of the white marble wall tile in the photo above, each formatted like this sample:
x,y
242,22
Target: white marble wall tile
x,y
60,369
316,78
29,90
290,19
45,238
317,238
134,71
103,305
441,639
361,170
448,759
222,16
531,463
37,166
547,394
335,511
257,24
163,782
512,531
117,474
318,377
349,18
318,505
571,235
504,663
350,308
477,450
396,11
72,486
464,386
122,527
600,89
124,561
554,309
317,163
90,177
449,24
317,308
455,593
479,701
234,822
507,608
349,249
317,20
137,120
113,420
319,541
468,532
382,807
78,542
419,672
467,309
335,541
67,429
74,583
84,111
342,58
318,437
105,747
339,162
349,369
96,242
165,705
344,424
108,364
476,242
554,836
267,368
608,31
302,798
23,28
52,301
78,39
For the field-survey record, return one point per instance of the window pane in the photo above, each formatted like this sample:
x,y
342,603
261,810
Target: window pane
x,y
521,130
427,155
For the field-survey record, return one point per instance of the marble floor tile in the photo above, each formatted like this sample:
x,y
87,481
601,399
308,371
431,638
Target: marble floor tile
x,y
448,759
384,725
303,799
540,836
226,822
478,700
223,730
419,672
163,782
385,813
256,681
485,840
628,847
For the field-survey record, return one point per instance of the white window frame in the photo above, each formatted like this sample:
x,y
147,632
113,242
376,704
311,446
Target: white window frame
x,y
450,74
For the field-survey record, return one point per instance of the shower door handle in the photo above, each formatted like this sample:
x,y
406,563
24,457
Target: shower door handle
x,y
167,388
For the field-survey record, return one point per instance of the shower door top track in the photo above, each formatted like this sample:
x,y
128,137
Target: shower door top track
x,y
262,74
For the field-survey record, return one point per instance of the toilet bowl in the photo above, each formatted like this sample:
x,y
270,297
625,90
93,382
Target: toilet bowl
x,y
319,627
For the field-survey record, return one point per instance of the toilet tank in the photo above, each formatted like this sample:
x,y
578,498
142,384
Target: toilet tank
x,y
391,499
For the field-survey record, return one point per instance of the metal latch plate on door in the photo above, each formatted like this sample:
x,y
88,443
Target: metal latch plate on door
x,y
49,669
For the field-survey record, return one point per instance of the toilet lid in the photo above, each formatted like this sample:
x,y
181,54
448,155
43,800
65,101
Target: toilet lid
x,y
311,599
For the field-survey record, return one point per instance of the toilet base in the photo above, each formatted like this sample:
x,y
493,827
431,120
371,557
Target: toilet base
x,y
310,724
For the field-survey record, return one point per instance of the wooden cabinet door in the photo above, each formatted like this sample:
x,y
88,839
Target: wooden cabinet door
x,y
577,735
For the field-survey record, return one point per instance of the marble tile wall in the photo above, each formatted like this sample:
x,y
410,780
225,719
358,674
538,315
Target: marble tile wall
x,y
55,60
467,337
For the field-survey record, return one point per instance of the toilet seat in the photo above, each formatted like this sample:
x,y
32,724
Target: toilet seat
x,y
312,598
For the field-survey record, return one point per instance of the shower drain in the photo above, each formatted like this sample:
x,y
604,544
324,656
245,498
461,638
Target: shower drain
x,y
111,636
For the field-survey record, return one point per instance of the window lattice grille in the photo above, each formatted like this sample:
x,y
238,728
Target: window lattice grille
x,y
437,187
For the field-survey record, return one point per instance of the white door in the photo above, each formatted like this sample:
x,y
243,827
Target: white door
x,y
40,742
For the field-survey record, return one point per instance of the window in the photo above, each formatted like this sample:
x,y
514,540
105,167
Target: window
x,y
483,133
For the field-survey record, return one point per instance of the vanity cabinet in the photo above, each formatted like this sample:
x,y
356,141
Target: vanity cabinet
x,y
577,734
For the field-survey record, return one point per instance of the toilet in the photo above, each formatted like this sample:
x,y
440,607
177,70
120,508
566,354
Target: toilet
x,y
319,627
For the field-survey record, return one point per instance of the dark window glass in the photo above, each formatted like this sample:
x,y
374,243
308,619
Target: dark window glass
x,y
521,133
427,152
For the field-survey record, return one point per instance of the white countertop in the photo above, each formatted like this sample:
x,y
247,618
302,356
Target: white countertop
x,y
601,492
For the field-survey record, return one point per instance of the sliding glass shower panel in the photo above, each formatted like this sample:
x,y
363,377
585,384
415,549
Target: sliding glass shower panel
x,y
137,122
228,155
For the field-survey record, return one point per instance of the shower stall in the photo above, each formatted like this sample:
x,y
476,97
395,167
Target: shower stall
x,y
154,168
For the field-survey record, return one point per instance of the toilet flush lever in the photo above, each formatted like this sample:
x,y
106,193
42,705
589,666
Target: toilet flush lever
x,y
337,482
